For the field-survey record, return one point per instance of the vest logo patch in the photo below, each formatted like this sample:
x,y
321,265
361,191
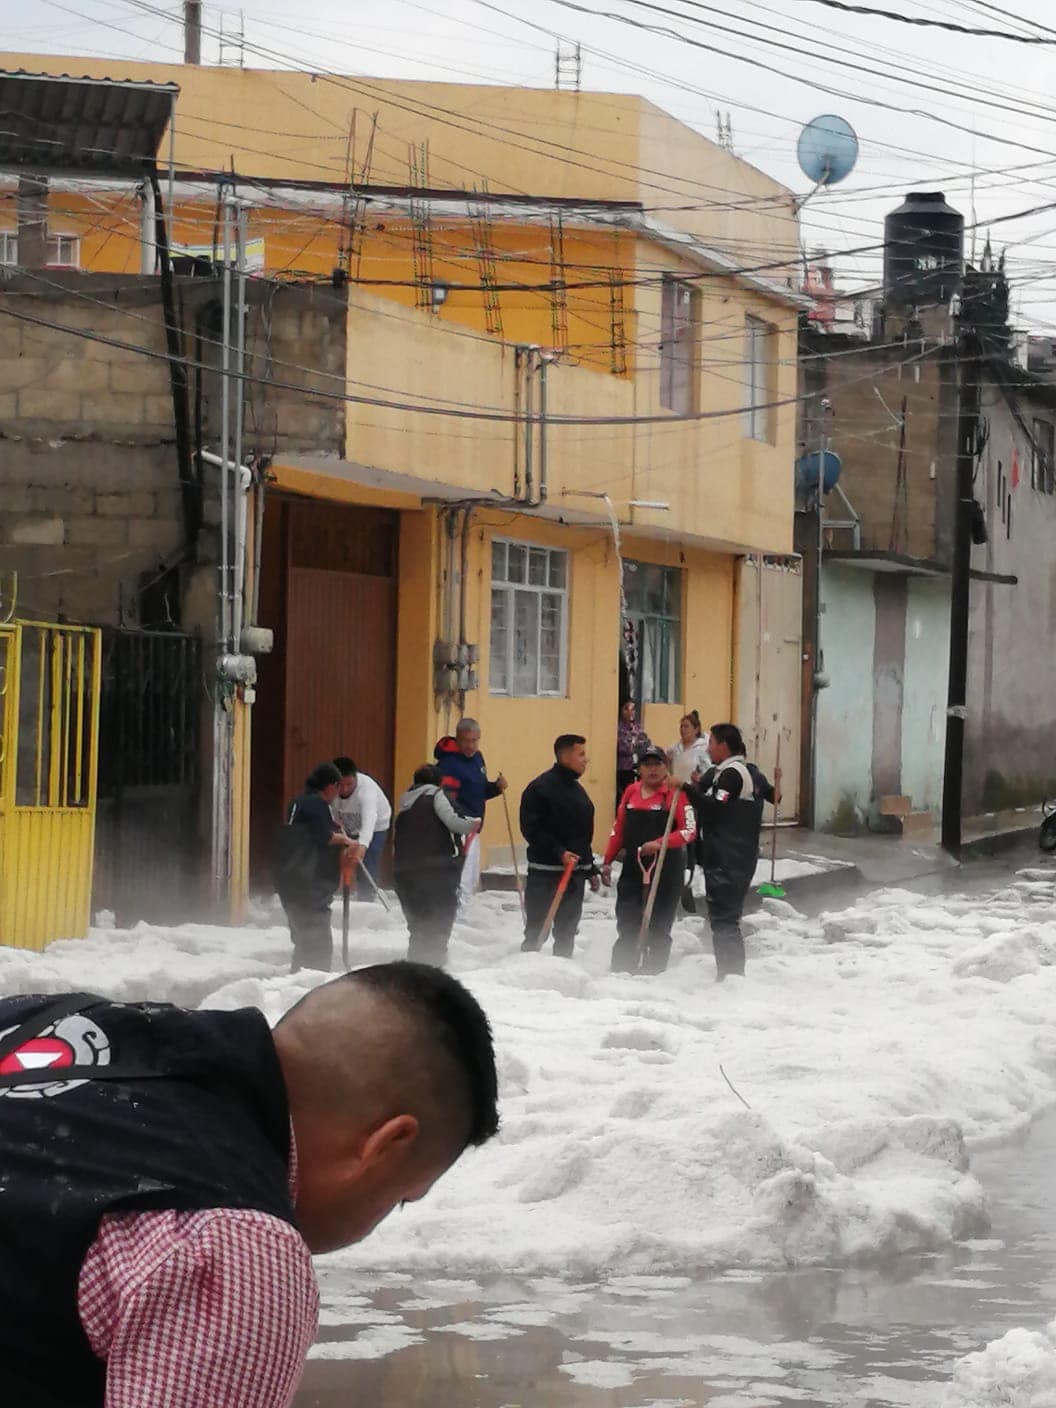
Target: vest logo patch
x,y
72,1041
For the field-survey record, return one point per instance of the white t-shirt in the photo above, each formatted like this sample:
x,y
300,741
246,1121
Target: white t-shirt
x,y
366,812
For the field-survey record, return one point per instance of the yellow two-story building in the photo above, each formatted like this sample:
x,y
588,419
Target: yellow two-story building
x,y
570,381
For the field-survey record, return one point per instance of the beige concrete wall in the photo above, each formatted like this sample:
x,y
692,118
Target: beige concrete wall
x,y
721,485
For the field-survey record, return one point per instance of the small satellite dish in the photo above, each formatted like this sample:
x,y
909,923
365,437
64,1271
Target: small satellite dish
x,y
827,150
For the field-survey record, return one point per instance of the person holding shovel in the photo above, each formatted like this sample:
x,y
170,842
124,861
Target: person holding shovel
x,y
307,864
649,871
557,821
428,863
730,799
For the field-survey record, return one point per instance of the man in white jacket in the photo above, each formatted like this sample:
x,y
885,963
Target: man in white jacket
x,y
364,812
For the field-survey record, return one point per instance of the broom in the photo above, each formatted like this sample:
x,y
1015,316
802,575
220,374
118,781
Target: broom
x,y
770,889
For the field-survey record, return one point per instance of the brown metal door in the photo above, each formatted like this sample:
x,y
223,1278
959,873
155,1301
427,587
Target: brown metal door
x,y
340,672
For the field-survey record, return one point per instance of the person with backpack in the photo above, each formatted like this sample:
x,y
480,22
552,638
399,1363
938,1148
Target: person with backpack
x,y
308,868
428,863
730,798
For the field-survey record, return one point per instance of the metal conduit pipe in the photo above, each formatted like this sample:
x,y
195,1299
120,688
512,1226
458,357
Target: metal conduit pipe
x,y
238,487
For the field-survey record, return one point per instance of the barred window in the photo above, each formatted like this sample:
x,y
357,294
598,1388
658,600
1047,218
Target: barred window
x,y
529,616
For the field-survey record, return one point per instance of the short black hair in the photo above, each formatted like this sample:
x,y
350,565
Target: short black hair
x,y
564,741
731,735
455,1020
321,777
346,767
428,775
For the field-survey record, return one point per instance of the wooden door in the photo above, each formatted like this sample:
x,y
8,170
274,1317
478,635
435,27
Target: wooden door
x,y
340,672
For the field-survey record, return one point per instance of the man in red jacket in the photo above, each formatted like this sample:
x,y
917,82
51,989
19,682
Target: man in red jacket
x,y
638,833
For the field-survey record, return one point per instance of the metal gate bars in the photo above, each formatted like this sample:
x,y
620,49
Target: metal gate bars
x,y
49,729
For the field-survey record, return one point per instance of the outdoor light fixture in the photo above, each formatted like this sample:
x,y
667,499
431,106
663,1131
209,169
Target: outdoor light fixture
x,y
438,291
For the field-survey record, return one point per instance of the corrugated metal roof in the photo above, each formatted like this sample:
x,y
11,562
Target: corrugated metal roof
x,y
86,125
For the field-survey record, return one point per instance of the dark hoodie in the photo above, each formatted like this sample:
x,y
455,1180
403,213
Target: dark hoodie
x,y
465,780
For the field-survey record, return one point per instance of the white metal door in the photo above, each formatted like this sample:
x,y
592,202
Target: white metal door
x,y
769,654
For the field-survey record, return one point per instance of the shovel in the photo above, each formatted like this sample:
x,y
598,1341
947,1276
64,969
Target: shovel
x,y
348,877
770,889
513,854
555,903
373,885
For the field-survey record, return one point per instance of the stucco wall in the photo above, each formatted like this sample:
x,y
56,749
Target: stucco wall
x,y
1010,747
925,676
518,733
844,751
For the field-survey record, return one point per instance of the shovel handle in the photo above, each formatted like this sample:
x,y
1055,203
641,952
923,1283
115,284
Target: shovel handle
x,y
555,903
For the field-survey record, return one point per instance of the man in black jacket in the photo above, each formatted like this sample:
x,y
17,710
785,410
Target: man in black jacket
x,y
308,868
557,821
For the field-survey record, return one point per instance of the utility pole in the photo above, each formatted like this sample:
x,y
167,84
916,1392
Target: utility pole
x,y
192,31
32,218
960,584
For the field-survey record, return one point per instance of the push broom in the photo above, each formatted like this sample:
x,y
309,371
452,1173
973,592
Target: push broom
x,y
770,889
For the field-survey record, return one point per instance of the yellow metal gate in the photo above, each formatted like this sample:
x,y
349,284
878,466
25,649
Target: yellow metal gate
x,y
49,729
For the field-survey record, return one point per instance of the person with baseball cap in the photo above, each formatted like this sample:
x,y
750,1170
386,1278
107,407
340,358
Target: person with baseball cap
x,y
641,820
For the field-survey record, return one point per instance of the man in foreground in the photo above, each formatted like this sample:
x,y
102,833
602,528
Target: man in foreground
x,y
557,821
169,1175
730,797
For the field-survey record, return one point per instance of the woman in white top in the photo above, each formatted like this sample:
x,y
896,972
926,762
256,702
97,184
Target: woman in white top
x,y
694,742
688,759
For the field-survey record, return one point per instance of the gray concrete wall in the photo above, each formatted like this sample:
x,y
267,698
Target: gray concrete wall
x,y
90,500
1011,730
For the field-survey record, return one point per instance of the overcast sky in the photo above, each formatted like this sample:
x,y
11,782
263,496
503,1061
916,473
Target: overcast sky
x,y
929,106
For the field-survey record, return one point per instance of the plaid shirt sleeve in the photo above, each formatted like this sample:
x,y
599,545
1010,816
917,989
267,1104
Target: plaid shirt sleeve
x,y
211,1309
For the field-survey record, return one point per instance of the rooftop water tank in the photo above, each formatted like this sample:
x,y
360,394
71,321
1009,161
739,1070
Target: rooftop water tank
x,y
923,251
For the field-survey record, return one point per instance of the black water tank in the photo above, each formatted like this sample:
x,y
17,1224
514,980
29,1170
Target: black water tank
x,y
923,251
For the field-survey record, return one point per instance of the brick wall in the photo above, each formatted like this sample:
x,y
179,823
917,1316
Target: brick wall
x,y
90,498
863,431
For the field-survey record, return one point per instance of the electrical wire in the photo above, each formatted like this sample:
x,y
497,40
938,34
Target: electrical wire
x,y
932,24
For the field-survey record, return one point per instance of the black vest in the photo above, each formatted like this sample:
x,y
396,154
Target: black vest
x,y
421,838
174,1110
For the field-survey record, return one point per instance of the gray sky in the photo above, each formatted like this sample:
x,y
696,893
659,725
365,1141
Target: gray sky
x,y
961,103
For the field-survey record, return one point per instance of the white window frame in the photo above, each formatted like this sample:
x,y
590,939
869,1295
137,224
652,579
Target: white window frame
x,y
510,590
56,241
679,322
759,342
8,248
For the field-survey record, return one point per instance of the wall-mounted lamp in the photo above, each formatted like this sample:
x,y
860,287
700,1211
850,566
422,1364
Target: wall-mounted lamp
x,y
438,291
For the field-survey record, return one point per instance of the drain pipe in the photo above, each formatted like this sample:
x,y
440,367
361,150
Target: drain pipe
x,y
239,506
545,358
529,429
